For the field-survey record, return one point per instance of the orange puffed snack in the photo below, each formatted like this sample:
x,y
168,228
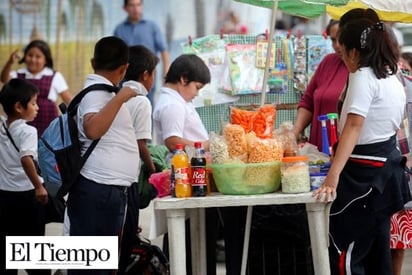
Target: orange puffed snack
x,y
264,121
243,118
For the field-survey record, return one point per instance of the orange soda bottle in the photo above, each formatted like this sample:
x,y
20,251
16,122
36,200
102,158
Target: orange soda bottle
x,y
181,166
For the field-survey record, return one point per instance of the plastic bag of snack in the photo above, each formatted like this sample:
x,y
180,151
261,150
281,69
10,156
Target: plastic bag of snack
x,y
290,146
236,141
264,150
243,118
218,148
264,121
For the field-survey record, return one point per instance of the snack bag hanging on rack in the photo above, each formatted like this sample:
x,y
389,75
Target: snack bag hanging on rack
x,y
244,76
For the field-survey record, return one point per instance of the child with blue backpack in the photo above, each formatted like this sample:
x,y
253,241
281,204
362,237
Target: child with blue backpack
x,y
22,195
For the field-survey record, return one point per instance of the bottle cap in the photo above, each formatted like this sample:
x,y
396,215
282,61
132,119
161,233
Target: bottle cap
x,y
332,115
323,117
198,144
179,146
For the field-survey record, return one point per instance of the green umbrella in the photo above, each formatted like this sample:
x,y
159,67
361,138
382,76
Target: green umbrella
x,y
303,8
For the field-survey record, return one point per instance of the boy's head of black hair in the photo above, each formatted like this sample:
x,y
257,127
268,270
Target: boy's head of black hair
x,y
110,53
141,59
16,90
43,47
190,67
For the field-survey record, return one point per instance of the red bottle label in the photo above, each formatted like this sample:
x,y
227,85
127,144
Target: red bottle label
x,y
198,176
183,174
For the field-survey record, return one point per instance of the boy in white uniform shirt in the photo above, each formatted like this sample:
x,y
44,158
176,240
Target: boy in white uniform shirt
x,y
22,195
140,76
176,120
97,201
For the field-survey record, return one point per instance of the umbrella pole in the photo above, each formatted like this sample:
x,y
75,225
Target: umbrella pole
x,y
270,42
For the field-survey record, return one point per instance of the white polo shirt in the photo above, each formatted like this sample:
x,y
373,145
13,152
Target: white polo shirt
x,y
115,160
173,116
12,175
380,101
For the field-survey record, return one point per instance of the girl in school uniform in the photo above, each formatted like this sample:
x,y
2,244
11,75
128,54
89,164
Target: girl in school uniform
x,y
39,71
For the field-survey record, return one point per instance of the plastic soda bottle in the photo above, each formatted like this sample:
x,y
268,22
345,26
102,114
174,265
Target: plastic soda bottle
x,y
198,166
172,182
181,167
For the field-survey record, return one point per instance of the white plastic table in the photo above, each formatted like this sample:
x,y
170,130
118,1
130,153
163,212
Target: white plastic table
x,y
177,210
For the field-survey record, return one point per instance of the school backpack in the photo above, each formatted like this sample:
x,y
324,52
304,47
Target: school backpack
x,y
59,155
146,258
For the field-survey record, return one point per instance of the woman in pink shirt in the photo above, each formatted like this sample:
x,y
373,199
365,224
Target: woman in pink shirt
x,y
322,94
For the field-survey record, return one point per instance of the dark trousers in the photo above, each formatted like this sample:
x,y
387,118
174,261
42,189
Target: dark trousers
x,y
234,219
20,215
95,210
129,236
368,255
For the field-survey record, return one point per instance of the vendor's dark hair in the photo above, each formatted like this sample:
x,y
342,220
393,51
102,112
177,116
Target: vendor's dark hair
x,y
190,67
358,13
43,47
374,43
408,57
331,23
17,90
110,53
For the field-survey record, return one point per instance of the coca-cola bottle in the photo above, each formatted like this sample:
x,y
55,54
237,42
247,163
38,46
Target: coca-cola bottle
x,y
198,165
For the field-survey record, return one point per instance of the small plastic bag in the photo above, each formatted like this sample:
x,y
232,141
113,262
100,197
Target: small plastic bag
x,y
161,181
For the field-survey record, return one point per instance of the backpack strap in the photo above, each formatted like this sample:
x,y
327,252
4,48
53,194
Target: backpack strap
x,y
10,137
74,104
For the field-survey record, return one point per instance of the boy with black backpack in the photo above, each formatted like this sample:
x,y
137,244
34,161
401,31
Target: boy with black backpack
x,y
97,200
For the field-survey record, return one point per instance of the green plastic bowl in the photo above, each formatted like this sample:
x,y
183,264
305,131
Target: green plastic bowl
x,y
247,179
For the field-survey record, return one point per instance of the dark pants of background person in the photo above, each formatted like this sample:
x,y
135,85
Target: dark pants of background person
x,y
211,238
20,215
234,219
129,236
95,210
370,254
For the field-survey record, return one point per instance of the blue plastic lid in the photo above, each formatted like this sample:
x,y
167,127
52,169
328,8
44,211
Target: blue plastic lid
x,y
316,174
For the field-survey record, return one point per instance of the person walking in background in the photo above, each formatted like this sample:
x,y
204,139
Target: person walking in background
x,y
366,159
39,70
305,26
97,201
22,194
136,30
401,225
233,25
140,75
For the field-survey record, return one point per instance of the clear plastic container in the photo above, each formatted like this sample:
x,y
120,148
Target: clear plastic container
x,y
295,174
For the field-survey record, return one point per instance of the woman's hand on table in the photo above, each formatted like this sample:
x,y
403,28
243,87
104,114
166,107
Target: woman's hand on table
x,y
327,191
